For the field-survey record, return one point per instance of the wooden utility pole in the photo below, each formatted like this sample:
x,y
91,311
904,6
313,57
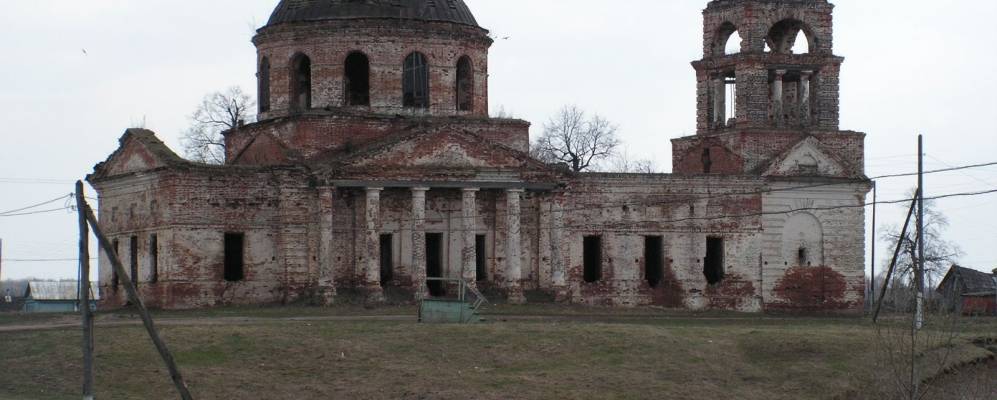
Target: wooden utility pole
x,y
872,284
896,254
88,386
164,352
919,284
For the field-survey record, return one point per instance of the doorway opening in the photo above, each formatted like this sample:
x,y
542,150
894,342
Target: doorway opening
x,y
387,260
434,264
480,259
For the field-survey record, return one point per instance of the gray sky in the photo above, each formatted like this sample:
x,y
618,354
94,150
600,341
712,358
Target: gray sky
x,y
76,73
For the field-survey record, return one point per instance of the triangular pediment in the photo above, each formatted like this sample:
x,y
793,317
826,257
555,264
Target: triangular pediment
x,y
139,150
264,149
442,151
807,158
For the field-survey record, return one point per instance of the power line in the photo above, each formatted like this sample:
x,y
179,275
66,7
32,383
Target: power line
x,y
36,205
827,208
990,164
36,212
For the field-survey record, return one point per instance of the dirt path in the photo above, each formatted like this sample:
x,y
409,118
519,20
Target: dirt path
x,y
121,321
199,321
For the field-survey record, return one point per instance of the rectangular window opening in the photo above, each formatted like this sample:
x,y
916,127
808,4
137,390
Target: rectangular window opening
x,y
480,258
235,244
434,264
387,259
133,258
713,264
654,260
153,258
592,258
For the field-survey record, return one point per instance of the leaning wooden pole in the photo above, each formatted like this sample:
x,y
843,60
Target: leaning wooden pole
x,y
164,352
896,253
88,386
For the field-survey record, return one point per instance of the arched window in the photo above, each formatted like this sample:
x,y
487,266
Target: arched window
x,y
415,81
727,40
264,85
357,77
785,37
301,83
465,84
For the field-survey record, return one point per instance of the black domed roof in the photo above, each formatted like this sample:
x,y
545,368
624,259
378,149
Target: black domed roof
x,y
427,10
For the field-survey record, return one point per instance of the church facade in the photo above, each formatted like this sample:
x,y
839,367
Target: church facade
x,y
374,165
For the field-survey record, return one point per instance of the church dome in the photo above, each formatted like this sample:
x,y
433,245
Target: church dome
x,y
320,10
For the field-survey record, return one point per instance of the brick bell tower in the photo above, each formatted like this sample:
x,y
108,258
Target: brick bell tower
x,y
777,85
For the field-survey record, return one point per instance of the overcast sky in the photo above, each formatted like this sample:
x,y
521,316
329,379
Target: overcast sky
x,y
75,73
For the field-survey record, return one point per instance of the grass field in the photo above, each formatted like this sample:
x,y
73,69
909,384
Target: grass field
x,y
523,353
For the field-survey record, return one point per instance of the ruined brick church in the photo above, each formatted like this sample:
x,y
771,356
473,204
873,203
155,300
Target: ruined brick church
x,y
374,165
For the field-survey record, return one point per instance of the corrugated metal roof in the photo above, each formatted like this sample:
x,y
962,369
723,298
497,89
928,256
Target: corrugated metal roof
x,y
55,291
427,10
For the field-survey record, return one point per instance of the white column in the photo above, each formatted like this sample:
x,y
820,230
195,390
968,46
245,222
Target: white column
x,y
419,242
513,252
720,101
469,218
327,269
558,246
372,245
778,112
804,97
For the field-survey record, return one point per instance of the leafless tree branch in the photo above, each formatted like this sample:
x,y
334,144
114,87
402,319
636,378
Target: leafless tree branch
x,y
571,138
217,113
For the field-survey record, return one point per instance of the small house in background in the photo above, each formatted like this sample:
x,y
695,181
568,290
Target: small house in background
x,y
969,291
55,297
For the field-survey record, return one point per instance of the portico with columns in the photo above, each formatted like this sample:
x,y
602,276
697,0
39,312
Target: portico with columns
x,y
467,218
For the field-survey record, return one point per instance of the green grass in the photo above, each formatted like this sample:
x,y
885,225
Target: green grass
x,y
636,356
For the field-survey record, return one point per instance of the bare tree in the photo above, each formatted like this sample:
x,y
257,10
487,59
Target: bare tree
x,y
624,162
939,254
218,112
572,138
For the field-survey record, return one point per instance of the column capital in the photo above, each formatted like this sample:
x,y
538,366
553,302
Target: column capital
x,y
420,189
780,72
806,73
373,189
515,190
471,190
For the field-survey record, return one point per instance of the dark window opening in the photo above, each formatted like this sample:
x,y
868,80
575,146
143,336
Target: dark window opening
x,y
801,256
465,84
387,259
357,80
592,258
707,161
434,264
264,85
114,271
654,260
480,258
713,265
415,82
153,258
301,83
235,247
133,258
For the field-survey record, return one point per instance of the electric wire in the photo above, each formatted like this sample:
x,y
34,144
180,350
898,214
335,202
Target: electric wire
x,y
63,197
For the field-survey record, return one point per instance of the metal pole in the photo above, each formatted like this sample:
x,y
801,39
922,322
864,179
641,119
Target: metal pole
x,y
88,386
872,285
150,327
919,318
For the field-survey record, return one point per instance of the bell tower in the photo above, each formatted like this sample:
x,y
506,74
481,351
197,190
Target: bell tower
x,y
767,64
